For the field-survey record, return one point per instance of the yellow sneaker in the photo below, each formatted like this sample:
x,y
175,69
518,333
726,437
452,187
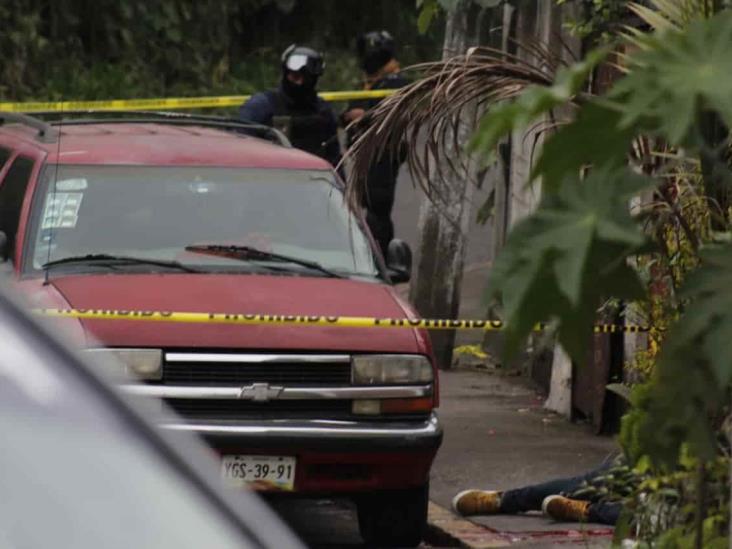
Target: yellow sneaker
x,y
477,502
565,509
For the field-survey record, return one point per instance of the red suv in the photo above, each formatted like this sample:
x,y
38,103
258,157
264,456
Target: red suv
x,y
196,214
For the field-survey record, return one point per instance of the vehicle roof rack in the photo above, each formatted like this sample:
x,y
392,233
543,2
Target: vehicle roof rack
x,y
173,118
46,132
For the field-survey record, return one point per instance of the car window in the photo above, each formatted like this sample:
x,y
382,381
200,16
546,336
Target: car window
x,y
73,474
12,193
155,212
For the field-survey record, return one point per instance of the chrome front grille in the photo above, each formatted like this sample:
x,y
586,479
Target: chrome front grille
x,y
231,386
226,369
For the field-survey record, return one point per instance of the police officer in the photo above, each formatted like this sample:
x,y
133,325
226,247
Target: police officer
x,y
377,53
295,108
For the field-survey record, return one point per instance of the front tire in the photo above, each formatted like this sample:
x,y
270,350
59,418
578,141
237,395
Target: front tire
x,y
396,518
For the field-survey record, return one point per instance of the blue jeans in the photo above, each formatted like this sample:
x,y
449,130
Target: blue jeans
x,y
529,498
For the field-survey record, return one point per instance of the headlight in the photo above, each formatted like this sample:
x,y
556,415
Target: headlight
x,y
390,369
141,363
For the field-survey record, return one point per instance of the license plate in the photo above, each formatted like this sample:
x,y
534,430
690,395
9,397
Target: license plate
x,y
259,472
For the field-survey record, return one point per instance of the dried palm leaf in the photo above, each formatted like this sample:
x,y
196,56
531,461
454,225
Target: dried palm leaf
x,y
429,117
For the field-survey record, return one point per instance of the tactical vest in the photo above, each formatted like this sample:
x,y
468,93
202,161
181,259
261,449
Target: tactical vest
x,y
307,129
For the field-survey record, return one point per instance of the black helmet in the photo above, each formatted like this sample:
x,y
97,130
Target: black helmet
x,y
301,59
375,49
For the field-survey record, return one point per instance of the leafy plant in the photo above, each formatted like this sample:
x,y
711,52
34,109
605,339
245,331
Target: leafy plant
x,y
563,260
673,83
599,20
582,245
667,94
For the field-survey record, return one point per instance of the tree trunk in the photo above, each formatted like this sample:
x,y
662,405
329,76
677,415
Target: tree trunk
x,y
560,388
443,226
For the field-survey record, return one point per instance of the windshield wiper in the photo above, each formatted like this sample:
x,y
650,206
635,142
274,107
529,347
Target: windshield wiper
x,y
247,252
109,258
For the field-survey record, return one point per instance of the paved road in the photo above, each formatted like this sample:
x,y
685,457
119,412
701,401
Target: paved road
x,y
324,524
498,436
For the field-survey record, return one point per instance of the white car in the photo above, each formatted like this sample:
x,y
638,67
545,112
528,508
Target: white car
x,y
80,468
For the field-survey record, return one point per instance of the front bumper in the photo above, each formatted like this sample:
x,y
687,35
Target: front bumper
x,y
333,456
321,434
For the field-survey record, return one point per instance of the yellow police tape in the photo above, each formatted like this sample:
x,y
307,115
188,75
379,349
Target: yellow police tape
x,y
305,320
171,103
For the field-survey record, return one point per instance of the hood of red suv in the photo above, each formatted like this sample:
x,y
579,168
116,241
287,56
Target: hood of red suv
x,y
243,294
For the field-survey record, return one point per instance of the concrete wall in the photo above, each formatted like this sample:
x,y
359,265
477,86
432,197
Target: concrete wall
x,y
516,197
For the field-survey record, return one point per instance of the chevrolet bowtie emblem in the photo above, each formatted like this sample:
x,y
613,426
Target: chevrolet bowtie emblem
x,y
260,392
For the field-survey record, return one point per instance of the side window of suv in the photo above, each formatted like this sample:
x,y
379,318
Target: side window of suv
x,y
12,192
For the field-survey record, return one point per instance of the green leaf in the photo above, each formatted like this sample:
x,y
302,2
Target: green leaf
x,y
677,74
570,254
593,138
571,234
570,80
709,318
694,371
426,15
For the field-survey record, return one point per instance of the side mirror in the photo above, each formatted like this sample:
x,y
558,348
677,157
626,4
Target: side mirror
x,y
3,247
399,261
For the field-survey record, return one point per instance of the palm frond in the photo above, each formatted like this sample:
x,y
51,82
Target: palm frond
x,y
428,117
664,15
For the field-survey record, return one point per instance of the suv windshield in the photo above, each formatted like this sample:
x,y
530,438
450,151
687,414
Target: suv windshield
x,y
154,212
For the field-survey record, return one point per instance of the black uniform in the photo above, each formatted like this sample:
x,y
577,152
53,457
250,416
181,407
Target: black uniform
x,y
309,122
382,175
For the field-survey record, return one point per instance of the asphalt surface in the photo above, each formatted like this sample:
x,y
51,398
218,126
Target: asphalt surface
x,y
325,524
498,436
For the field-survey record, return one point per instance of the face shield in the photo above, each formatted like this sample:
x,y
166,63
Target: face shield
x,y
304,63
296,62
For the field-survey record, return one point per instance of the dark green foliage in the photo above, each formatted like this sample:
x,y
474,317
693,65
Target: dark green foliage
x,y
569,255
615,483
590,145
599,20
662,508
79,49
679,75
688,399
562,260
